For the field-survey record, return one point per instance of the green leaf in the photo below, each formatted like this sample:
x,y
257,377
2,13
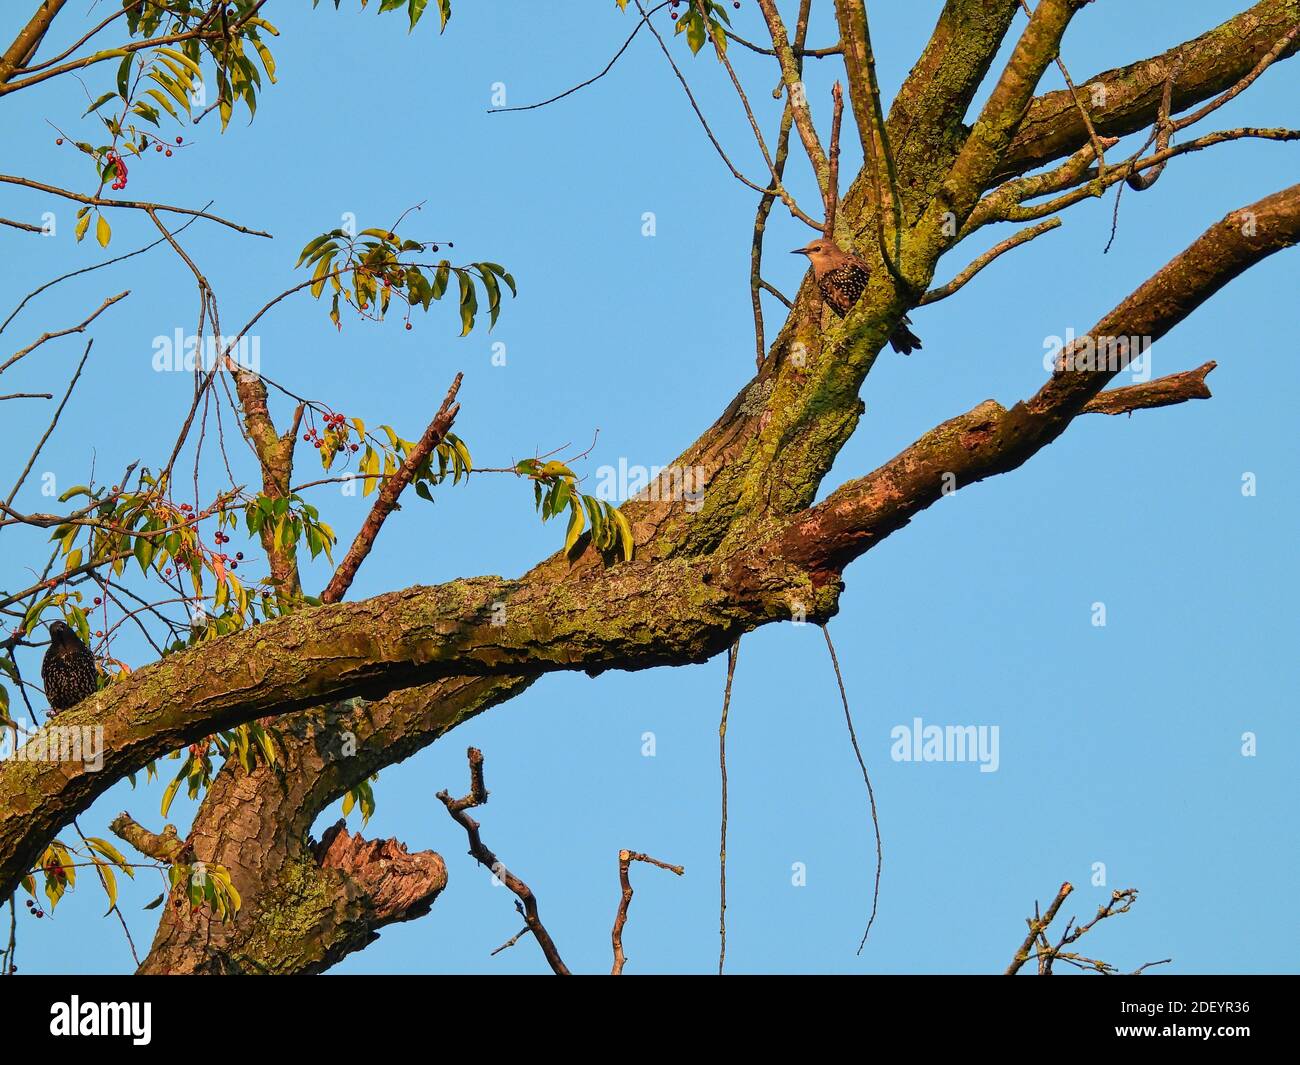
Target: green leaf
x,y
576,524
102,846
624,533
170,793
123,76
143,552
468,302
99,103
110,884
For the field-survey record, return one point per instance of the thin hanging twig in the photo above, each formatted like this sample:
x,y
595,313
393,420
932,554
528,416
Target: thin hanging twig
x,y
732,655
871,794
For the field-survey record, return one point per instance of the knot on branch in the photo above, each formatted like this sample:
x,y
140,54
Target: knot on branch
x,y
401,886
165,846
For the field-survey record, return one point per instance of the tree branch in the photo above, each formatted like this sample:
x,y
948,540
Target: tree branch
x,y
388,493
479,851
1130,96
1162,392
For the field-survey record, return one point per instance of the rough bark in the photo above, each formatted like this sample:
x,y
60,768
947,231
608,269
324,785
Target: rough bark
x,y
1211,63
399,670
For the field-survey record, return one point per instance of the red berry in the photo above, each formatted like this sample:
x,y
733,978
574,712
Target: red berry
x,y
58,140
408,325
239,555
306,436
157,147
178,140
168,153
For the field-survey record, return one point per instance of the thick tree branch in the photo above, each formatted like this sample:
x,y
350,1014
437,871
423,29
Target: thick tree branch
x,y
990,439
29,39
1003,114
632,616
926,118
1130,96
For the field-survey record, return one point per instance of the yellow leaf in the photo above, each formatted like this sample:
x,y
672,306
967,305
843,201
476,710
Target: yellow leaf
x,y
103,231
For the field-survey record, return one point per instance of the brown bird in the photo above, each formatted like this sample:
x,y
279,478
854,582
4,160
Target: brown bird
x,y
842,278
69,669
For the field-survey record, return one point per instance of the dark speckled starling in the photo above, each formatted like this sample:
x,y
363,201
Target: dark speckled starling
x,y
69,669
842,277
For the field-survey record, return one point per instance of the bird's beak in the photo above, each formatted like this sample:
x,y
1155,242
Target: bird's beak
x,y
800,251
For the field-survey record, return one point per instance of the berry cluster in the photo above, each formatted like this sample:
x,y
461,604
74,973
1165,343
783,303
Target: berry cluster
x,y
32,909
113,159
334,423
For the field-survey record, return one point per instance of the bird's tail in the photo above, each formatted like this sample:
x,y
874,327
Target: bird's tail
x,y
904,341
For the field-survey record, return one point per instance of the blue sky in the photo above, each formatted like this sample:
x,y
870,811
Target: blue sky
x,y
1118,744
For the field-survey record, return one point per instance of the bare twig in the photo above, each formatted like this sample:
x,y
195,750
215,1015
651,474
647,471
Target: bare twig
x,y
732,655
1014,241
53,422
1162,392
62,332
871,794
388,493
645,17
477,796
1036,925
1046,954
756,283
625,859
135,205
784,193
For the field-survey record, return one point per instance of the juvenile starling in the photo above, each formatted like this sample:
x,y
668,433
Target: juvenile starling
x,y
842,277
69,669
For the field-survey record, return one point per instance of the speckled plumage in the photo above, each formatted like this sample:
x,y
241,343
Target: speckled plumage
x,y
68,670
841,279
